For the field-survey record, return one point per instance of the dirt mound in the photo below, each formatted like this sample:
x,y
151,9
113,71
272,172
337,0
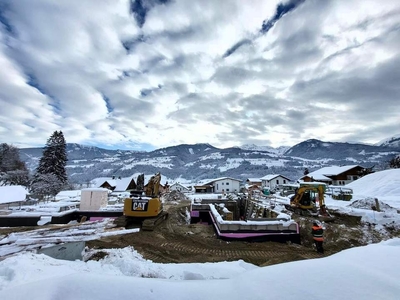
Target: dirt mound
x,y
174,196
370,204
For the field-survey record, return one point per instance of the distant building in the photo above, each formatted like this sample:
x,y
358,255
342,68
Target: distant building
x,y
179,187
272,181
254,181
335,175
220,186
119,184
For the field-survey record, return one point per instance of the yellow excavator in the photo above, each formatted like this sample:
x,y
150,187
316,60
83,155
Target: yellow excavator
x,y
146,209
304,202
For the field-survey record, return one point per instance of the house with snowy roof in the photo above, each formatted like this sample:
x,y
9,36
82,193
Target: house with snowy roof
x,y
176,186
272,181
254,181
335,175
220,186
119,184
12,194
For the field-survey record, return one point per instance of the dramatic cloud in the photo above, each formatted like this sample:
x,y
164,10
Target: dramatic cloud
x,y
147,74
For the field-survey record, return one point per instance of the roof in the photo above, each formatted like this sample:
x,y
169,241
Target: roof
x,y
99,181
203,186
322,173
68,194
272,176
179,184
95,190
12,193
254,179
221,178
120,184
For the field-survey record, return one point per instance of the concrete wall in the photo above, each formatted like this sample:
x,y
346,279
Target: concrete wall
x,y
67,251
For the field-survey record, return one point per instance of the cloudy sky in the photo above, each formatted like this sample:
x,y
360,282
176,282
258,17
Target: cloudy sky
x,y
146,74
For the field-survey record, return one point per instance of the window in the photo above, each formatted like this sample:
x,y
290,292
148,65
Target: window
x,y
227,183
277,181
284,181
355,177
227,190
222,183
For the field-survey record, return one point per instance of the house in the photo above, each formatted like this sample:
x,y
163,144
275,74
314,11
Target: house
x,y
219,185
204,188
272,181
254,181
253,189
119,184
12,194
335,175
179,187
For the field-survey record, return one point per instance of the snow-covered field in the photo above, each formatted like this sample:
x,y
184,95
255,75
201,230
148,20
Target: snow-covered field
x,y
369,272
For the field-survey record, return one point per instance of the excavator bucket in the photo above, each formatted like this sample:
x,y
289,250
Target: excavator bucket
x,y
324,215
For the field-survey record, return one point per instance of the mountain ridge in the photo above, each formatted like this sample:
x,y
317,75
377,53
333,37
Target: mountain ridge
x,y
195,162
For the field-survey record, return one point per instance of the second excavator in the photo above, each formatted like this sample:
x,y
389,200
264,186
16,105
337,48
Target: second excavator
x,y
309,200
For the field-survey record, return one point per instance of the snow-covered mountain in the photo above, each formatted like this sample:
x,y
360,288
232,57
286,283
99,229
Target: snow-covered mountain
x,y
204,161
393,142
253,147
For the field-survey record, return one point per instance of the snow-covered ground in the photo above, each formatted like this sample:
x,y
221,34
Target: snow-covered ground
x,y
369,272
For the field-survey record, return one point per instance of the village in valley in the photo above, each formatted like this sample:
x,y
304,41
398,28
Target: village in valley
x,y
274,211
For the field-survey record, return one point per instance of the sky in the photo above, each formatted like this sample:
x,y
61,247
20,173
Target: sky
x,y
367,272
147,74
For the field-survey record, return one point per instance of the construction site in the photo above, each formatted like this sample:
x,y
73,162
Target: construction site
x,y
184,239
177,228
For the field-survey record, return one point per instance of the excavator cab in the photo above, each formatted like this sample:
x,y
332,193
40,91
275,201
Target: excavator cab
x,y
309,200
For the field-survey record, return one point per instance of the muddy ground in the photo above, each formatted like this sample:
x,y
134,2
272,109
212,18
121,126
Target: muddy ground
x,y
174,241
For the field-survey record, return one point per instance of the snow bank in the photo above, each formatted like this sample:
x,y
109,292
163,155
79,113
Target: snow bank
x,y
384,185
369,272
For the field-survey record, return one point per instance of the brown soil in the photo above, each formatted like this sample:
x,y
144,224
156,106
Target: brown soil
x,y
174,241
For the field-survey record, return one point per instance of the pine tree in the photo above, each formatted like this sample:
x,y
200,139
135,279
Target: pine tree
x,y
394,163
13,171
45,185
54,158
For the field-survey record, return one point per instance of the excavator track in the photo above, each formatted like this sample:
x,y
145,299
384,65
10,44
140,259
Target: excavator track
x,y
309,213
151,223
221,254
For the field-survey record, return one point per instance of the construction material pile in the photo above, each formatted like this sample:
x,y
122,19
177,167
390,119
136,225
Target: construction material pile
x,y
174,196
